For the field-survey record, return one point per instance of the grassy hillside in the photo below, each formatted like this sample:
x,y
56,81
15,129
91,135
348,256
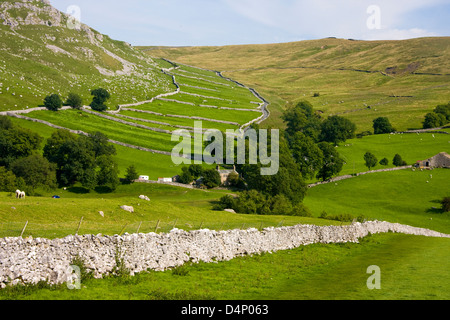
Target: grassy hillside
x,y
361,80
41,53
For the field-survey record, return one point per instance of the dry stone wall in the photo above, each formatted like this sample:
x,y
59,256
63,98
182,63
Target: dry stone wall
x,y
32,260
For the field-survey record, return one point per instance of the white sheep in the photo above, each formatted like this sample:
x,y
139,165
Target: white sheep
x,y
20,194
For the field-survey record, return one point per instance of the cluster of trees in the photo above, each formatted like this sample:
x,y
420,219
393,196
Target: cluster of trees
x,y
54,102
438,118
312,140
21,166
210,178
307,150
83,159
371,161
254,202
67,159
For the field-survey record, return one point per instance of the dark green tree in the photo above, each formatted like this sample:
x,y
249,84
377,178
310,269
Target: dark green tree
x,y
288,180
5,123
280,205
16,143
302,118
384,161
36,171
382,125
74,100
100,97
211,178
306,153
226,202
132,174
446,204
101,145
108,174
444,110
7,180
332,162
196,170
337,129
53,102
251,202
398,161
370,160
434,120
185,176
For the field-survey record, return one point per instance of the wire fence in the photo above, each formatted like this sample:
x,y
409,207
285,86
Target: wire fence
x,y
83,226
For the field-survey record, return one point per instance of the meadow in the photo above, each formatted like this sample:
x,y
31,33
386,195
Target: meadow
x,y
349,78
412,267
412,147
352,78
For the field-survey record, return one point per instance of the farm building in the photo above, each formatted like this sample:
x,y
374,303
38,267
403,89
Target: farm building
x,y
441,160
224,174
165,180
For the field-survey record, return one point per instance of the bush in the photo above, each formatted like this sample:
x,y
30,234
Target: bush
x,y
211,178
301,210
398,161
100,97
53,102
384,161
132,174
74,100
226,202
434,120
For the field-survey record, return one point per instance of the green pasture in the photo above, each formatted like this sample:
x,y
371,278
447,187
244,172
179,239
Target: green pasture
x,y
177,121
173,207
407,197
411,146
348,75
174,108
79,120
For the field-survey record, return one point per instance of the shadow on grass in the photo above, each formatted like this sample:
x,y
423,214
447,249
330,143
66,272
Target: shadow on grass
x,y
436,209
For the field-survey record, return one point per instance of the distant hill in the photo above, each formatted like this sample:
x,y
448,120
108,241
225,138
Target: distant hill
x,y
43,51
361,80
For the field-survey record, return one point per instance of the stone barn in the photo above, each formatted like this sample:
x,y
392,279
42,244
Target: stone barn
x,y
441,160
225,173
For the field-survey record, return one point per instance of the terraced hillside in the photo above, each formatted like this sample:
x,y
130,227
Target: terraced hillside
x,y
360,80
42,53
216,102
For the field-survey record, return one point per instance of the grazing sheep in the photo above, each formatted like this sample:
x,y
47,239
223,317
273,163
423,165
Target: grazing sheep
x,y
20,194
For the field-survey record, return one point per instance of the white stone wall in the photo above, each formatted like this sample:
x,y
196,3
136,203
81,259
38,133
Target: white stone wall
x,y
31,260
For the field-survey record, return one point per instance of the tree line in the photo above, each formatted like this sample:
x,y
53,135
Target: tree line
x,y
54,102
67,159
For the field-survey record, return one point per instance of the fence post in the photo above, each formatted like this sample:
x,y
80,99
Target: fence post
x,y
79,225
201,225
123,229
23,230
157,226
176,221
139,227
